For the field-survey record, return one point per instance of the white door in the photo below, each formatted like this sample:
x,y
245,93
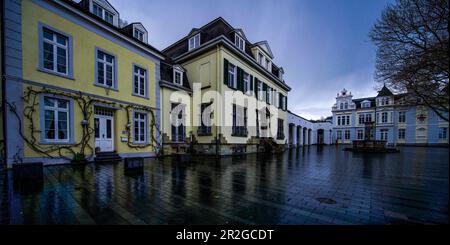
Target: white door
x,y
104,133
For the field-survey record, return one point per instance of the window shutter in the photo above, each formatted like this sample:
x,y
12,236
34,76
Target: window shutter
x,y
264,92
239,78
280,99
256,88
251,83
285,103
225,71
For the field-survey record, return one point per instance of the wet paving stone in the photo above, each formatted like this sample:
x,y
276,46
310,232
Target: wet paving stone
x,y
311,185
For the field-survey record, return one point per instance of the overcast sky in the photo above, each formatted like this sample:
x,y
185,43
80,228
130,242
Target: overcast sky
x,y
321,44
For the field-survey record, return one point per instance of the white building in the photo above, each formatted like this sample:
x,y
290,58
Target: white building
x,y
308,132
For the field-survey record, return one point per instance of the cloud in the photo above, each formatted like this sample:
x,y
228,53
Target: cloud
x,y
314,99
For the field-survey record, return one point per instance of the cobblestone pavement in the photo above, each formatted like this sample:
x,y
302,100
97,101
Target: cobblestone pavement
x,y
311,185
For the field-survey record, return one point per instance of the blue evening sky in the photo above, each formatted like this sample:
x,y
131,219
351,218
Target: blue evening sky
x,y
322,45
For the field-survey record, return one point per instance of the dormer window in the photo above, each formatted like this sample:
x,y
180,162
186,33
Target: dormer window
x,y
239,41
102,13
178,76
267,64
194,42
260,59
365,104
138,35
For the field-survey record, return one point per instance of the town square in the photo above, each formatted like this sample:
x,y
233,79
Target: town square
x,y
302,113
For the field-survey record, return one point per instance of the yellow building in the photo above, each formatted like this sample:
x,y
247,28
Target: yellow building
x,y
229,96
80,83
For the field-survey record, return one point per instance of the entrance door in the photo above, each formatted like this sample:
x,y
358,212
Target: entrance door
x,y
320,136
104,133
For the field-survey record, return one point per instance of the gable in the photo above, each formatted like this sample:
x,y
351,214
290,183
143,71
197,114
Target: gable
x,y
241,33
264,45
139,26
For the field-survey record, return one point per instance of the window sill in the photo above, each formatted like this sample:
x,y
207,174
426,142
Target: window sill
x,y
104,86
139,143
70,76
46,142
178,142
239,135
140,96
204,132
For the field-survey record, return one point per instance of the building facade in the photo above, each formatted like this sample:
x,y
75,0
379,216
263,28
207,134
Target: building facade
x,y
303,132
387,117
224,93
78,82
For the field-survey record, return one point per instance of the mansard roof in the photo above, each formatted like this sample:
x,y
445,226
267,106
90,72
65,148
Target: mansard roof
x,y
359,101
166,69
85,10
220,31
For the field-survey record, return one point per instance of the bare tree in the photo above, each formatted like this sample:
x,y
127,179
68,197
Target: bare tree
x,y
413,51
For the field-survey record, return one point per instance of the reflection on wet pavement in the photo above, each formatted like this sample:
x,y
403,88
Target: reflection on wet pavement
x,y
311,185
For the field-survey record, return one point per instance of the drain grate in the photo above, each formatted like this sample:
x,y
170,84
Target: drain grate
x,y
326,200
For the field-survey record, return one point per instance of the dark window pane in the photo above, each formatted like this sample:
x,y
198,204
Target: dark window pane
x,y
109,58
97,127
49,124
100,73
48,56
100,55
108,129
48,34
49,102
61,39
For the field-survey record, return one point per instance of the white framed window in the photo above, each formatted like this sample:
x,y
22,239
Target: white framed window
x,y
339,134
106,69
360,134
267,64
239,42
368,117
384,117
138,34
102,13
341,106
401,117
261,59
384,134
56,119
269,95
339,120
246,84
140,127
232,82
347,134
346,105
194,42
361,119
55,51
443,133
178,77
139,81
277,99
401,133
259,90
